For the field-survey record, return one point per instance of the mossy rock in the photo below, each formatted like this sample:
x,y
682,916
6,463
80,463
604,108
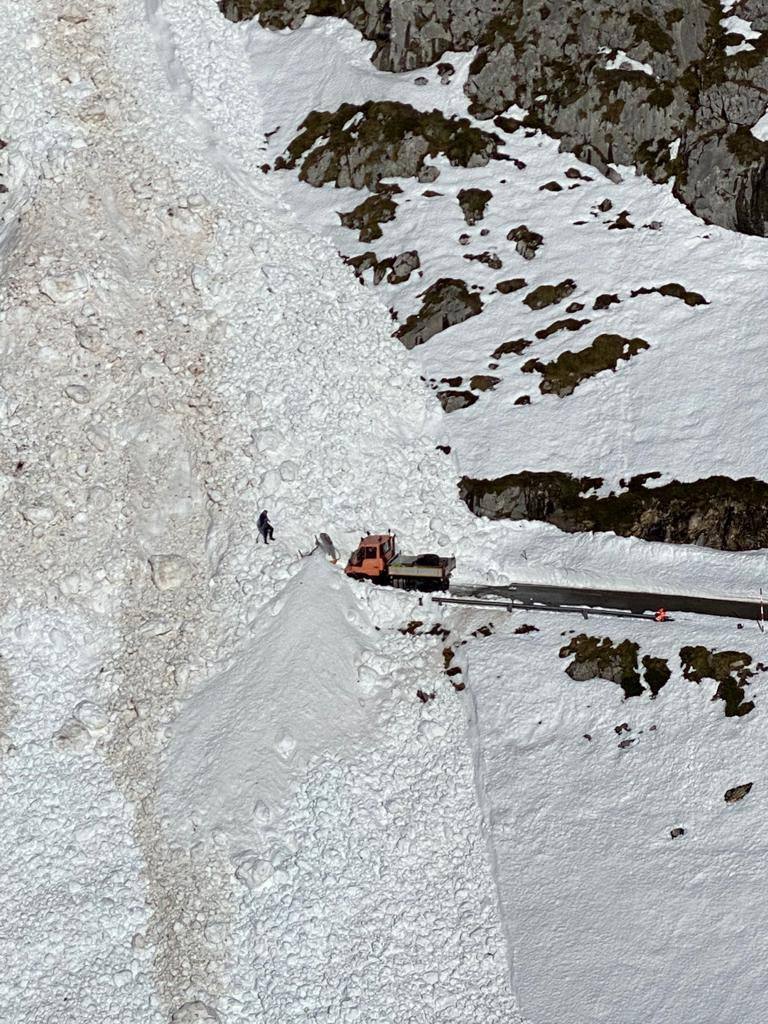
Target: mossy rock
x,y
483,382
563,375
656,672
516,347
675,291
473,203
599,658
446,302
569,324
512,284
368,216
549,294
717,512
729,669
359,144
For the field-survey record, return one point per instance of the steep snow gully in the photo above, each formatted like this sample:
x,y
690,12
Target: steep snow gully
x,y
178,353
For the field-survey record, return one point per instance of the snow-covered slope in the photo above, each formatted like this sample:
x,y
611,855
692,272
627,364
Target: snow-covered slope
x,y
630,888
178,353
239,788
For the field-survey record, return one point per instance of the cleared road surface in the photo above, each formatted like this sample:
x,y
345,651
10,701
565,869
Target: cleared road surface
x,y
555,598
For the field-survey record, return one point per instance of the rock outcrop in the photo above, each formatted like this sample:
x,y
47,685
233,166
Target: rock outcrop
x,y
718,512
407,35
661,86
358,145
446,302
729,669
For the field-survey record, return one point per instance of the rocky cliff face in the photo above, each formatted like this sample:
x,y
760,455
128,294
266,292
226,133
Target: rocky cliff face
x,y
663,86
407,34
716,512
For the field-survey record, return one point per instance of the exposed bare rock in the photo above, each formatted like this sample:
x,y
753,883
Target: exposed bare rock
x,y
732,796
527,242
406,35
716,512
358,145
549,294
490,259
569,324
599,658
553,60
563,375
446,302
451,401
513,284
675,291
473,202
393,269
368,216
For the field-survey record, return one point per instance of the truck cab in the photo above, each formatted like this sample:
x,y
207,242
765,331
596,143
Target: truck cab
x,y
376,559
370,559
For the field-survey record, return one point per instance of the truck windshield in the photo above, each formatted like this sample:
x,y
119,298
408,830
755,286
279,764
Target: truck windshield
x,y
370,552
356,558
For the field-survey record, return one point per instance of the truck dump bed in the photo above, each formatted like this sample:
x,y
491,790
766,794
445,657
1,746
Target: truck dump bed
x,y
425,567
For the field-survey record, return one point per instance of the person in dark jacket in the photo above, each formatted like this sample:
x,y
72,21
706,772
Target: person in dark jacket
x,y
265,527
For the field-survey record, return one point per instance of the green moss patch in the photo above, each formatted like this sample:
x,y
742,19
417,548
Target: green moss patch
x,y
563,375
675,291
358,145
513,284
516,347
568,324
549,294
729,669
599,658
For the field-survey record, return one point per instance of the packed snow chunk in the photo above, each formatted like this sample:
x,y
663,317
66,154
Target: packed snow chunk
x,y
253,871
91,717
78,393
244,740
72,737
195,1012
63,288
169,572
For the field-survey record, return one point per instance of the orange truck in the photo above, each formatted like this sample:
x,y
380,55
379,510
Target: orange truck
x,y
376,559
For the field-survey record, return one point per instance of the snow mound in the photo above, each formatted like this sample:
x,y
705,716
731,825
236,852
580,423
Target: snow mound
x,y
249,733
